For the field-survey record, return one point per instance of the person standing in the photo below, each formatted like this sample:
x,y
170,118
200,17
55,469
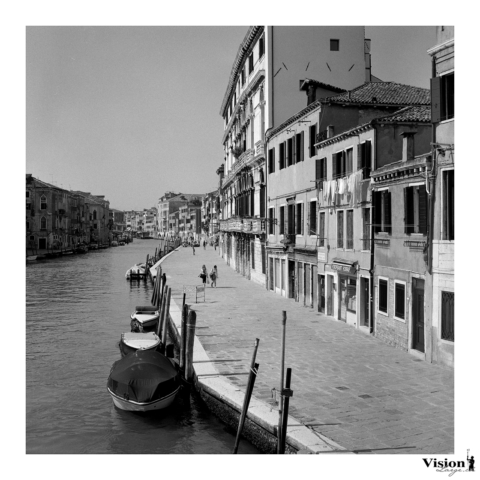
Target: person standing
x,y
214,276
204,245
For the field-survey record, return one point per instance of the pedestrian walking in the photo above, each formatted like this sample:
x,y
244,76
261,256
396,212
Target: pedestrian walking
x,y
214,276
193,246
204,245
203,274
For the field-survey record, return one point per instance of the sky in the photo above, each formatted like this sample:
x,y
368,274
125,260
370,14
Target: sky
x,y
133,112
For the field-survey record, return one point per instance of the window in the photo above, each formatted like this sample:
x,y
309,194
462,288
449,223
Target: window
x,y
448,316
299,219
43,202
299,147
271,160
291,218
334,45
448,208
340,229
94,215
28,225
290,152
348,161
261,47
366,229
43,223
243,76
383,212
349,229
282,220
364,159
313,218
28,194
322,230
271,216
313,133
320,170
400,301
264,263
383,295
250,63
281,160
342,163
443,100
416,209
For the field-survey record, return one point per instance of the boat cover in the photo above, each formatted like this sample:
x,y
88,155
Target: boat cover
x,y
140,340
145,318
143,376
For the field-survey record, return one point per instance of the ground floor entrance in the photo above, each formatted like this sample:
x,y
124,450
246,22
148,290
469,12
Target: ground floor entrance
x,y
418,322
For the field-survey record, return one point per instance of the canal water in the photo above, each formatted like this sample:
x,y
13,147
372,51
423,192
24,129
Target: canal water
x,y
77,308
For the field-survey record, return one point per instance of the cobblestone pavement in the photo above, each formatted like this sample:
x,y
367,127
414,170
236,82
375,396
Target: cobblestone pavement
x,y
365,395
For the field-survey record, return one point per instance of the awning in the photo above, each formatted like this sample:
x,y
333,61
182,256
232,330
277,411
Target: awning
x,y
345,266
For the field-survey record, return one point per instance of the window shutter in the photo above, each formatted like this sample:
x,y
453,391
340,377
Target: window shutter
x,y
318,169
388,212
409,214
294,151
423,209
287,153
324,169
360,158
436,92
368,159
377,211
334,165
302,147
302,223
273,159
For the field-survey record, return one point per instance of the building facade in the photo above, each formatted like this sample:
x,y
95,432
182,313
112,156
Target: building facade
x,y
441,255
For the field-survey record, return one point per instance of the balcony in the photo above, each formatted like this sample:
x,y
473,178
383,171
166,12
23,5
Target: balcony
x,y
288,239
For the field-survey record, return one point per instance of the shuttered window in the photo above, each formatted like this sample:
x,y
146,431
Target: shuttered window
x,y
382,221
299,219
400,300
348,161
313,218
291,219
448,207
339,164
448,315
289,152
416,209
262,201
383,295
281,160
261,47
340,229
350,229
271,160
271,216
442,97
313,133
250,63
366,229
321,241
282,221
264,262
320,170
364,158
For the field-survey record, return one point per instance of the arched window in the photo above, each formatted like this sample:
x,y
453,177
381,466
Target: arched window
x,y
43,223
262,177
43,202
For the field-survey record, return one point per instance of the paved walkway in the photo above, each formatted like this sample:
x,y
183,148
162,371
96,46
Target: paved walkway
x,y
352,388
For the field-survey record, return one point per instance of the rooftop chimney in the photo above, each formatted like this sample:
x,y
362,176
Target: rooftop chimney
x,y
368,61
408,151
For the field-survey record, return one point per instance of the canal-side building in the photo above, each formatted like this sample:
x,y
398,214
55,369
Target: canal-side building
x,y
441,254
165,206
210,213
262,92
97,217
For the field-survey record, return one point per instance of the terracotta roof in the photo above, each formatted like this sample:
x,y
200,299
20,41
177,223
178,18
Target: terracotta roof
x,y
242,52
383,93
418,113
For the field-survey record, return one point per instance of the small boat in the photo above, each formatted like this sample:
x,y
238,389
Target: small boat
x,y
143,381
144,319
136,270
131,342
81,249
121,243
114,243
93,246
31,258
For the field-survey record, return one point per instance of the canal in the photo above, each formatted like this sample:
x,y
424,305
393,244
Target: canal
x,y
77,307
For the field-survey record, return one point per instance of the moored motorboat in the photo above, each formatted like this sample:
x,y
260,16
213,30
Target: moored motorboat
x,y
137,270
31,258
143,381
132,341
144,319
81,249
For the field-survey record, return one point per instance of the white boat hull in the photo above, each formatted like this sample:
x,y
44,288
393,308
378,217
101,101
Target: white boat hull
x,y
132,406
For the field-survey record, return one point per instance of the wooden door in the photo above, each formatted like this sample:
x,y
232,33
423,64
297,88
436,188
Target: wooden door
x,y
418,323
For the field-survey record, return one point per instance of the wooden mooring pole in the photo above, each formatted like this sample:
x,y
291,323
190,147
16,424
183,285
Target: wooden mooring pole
x,y
190,331
166,315
183,337
286,394
282,368
248,394
160,314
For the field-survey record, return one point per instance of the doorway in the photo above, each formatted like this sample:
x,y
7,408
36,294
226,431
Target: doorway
x,y
321,293
418,322
364,302
291,279
342,299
